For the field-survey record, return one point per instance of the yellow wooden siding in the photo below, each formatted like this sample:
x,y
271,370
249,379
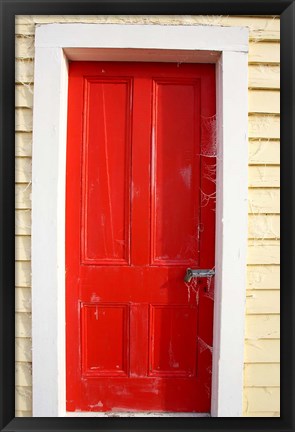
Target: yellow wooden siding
x,y
261,377
264,126
23,321
23,144
264,76
23,398
263,277
262,399
263,252
22,274
263,226
23,222
263,176
264,52
24,71
23,96
23,374
23,170
23,299
264,101
264,152
24,47
262,351
23,349
23,196
262,327
261,302
262,201
262,374
23,120
23,248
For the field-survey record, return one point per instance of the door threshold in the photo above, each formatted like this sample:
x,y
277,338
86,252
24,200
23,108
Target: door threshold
x,y
134,414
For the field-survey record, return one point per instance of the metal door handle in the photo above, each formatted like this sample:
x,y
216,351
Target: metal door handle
x,y
190,274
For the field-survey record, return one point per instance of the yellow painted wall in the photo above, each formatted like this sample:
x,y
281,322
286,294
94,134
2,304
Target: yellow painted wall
x,y
261,370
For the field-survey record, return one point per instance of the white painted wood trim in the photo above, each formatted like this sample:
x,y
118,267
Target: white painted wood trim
x,y
225,46
231,235
48,232
135,36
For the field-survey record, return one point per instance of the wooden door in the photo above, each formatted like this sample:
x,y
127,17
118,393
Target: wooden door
x,y
140,210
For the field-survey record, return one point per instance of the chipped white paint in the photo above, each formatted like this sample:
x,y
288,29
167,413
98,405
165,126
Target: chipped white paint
x,y
54,43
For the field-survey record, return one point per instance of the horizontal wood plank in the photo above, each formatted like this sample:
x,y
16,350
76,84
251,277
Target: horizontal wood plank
x,y
23,196
264,52
23,374
264,126
262,351
24,71
262,327
24,46
262,201
23,170
23,398
22,248
23,325
262,302
260,28
263,252
264,101
261,399
23,222
264,152
264,226
263,277
23,349
263,76
23,301
24,96
23,120
262,375
27,28
22,273
264,176
23,144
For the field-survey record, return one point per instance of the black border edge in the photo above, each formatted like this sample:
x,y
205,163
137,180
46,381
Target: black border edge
x,y
7,215
287,99
7,324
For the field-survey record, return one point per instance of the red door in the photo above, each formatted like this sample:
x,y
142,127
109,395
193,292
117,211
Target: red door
x,y
140,210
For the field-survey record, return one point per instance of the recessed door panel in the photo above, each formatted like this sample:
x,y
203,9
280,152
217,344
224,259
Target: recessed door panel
x,y
105,339
173,348
176,171
106,171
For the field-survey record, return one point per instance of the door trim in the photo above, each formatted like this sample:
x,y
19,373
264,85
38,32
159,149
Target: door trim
x,y
55,45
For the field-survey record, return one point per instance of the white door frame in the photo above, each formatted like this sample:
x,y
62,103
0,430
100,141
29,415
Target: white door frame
x,y
55,45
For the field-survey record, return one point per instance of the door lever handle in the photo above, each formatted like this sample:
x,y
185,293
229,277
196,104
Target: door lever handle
x,y
190,274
